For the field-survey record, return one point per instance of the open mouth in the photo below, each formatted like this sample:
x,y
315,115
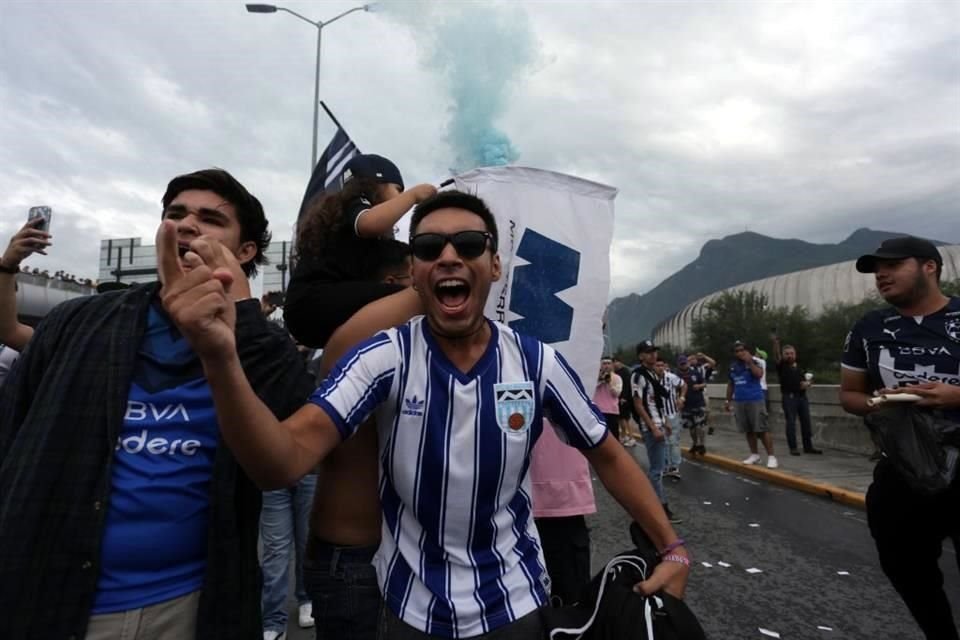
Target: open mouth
x,y
182,249
452,293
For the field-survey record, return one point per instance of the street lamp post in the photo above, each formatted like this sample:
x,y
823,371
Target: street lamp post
x,y
319,24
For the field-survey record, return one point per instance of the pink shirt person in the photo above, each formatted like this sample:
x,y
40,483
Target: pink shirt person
x,y
560,478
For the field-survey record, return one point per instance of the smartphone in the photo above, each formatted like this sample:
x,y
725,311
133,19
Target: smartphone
x,y
41,212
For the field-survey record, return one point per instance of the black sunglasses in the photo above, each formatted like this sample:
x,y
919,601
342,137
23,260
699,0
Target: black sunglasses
x,y
468,244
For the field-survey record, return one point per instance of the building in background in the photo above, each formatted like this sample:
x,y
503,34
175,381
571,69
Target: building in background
x,y
813,289
129,261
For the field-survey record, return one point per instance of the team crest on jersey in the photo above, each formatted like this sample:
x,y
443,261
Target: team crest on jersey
x,y
952,327
514,405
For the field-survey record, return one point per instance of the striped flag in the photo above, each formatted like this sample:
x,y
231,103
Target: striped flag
x,y
329,169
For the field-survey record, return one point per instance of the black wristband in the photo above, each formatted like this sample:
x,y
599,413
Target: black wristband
x,y
5,269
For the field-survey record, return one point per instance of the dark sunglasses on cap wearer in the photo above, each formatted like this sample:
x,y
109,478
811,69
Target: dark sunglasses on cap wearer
x,y
468,244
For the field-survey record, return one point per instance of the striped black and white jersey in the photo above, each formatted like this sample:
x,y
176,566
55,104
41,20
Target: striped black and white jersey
x,y
673,383
459,555
667,407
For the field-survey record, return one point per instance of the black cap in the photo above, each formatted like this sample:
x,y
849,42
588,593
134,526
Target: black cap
x,y
646,346
898,249
370,165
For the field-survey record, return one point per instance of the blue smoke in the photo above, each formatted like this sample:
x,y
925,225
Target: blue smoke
x,y
479,51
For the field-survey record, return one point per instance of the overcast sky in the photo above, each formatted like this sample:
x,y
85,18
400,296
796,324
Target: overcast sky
x,y
802,120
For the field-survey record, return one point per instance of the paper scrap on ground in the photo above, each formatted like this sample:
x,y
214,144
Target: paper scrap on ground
x,y
727,503
754,524
767,632
747,498
823,628
724,564
754,570
843,573
707,502
707,565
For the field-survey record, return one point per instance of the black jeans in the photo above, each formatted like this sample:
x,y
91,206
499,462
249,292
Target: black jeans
x,y
909,529
342,585
796,405
566,549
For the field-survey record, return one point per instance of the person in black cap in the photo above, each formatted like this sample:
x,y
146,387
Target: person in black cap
x,y
339,245
649,400
912,346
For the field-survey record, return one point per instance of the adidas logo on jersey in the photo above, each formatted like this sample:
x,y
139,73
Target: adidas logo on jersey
x,y
413,407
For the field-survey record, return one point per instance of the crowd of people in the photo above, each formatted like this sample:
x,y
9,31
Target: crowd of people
x,y
59,276
430,469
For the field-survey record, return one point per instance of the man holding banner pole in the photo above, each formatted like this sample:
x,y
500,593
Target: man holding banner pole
x,y
460,401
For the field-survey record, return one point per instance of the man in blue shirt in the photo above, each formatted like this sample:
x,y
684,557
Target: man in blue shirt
x,y
122,511
912,346
749,406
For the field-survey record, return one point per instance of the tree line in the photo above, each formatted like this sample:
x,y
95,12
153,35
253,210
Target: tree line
x,y
747,316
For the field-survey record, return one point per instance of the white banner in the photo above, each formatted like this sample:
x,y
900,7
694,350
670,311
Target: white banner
x,y
555,234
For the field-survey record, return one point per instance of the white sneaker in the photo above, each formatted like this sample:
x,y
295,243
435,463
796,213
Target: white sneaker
x,y
753,459
273,635
306,616
629,442
772,462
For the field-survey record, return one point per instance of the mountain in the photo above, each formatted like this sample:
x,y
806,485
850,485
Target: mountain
x,y
723,263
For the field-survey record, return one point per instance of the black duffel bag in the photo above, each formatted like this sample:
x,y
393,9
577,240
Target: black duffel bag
x,y
609,608
922,445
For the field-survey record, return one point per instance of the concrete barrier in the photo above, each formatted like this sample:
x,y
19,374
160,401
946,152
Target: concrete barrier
x,y
832,426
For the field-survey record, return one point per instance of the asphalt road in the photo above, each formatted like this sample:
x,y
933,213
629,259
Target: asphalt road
x,y
800,544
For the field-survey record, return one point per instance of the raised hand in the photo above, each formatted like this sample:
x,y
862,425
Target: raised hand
x,y
27,240
423,191
198,298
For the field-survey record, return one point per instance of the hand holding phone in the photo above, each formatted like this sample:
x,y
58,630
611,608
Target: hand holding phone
x,y
41,213
29,239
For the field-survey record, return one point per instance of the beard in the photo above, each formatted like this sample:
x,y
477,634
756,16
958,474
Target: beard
x,y
919,288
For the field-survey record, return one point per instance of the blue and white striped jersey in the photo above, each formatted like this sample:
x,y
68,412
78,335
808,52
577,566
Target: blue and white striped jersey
x,y
459,555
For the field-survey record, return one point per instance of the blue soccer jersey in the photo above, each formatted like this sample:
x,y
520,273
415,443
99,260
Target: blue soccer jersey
x,y
154,545
896,350
459,555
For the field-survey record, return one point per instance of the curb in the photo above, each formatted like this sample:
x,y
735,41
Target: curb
x,y
832,492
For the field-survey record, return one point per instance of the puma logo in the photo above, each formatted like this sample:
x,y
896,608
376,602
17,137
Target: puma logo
x,y
893,332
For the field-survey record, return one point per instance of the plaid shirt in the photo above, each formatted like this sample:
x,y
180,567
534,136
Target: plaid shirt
x,y
60,414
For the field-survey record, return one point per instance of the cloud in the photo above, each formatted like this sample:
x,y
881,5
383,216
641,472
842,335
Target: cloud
x,y
805,119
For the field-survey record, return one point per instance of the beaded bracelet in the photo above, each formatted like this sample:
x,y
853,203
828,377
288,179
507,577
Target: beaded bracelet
x,y
679,542
676,557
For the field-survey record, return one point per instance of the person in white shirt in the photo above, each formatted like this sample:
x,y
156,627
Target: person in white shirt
x,y
460,402
673,407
